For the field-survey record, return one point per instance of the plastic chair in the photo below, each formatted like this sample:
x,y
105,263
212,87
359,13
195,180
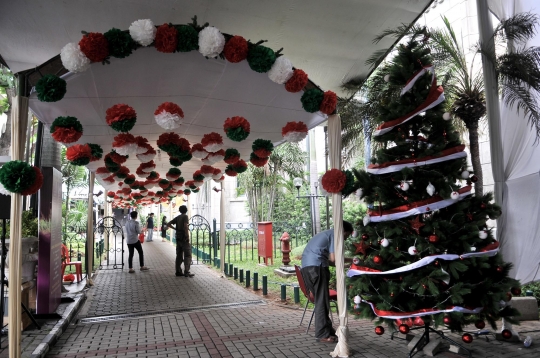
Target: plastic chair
x,y
67,262
311,298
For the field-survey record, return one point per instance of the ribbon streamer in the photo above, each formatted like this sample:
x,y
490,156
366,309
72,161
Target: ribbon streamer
x,y
422,312
410,83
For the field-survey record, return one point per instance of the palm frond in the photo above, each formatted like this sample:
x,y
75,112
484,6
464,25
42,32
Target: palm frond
x,y
519,27
400,31
520,67
515,94
377,57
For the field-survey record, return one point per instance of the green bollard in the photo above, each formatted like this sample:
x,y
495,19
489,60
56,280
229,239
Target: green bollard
x,y
216,262
255,281
296,294
226,269
236,273
241,275
248,278
231,267
265,285
283,293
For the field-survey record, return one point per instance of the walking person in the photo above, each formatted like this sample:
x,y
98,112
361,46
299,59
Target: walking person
x,y
316,259
183,247
164,229
150,227
133,229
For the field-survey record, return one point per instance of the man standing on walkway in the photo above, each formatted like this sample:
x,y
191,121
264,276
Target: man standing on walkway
x,y
150,227
316,259
133,229
183,247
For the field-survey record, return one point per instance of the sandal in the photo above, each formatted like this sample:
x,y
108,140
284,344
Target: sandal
x,y
331,339
131,270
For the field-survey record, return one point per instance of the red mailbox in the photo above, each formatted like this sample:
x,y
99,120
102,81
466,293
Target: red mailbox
x,y
264,233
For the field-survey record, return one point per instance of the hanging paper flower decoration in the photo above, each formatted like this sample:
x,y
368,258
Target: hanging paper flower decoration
x,y
102,172
166,38
207,171
3,191
66,130
236,49
240,166
215,157
130,179
121,117
143,32
125,144
97,152
262,148
153,176
236,128
73,59
211,42
281,71
230,171
220,179
334,180
142,144
198,176
297,82
329,103
349,185
188,38
169,115
196,190
169,142
120,43
198,151
117,158
147,156
79,154
261,58
109,180
163,183
140,173
312,99
256,161
19,177
173,174
110,164
148,167
122,173
111,194
50,88
175,161
187,192
231,156
212,142
178,182
321,189
190,184
217,174
94,46
294,131
38,182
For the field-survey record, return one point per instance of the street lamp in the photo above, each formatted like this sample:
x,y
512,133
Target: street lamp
x,y
297,182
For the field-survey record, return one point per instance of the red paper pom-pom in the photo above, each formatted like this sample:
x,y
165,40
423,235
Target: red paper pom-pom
x,y
212,142
123,139
66,135
236,122
169,107
207,170
294,127
236,49
78,151
38,182
257,161
297,82
168,138
231,172
94,46
117,158
166,38
329,103
109,179
111,194
119,112
334,180
69,277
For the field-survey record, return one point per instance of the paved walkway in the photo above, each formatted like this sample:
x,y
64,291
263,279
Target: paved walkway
x,y
156,314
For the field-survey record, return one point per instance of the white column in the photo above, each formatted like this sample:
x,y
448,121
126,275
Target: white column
x,y
222,228
90,230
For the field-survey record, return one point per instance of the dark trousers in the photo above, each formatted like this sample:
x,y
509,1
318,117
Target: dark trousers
x,y
183,254
317,279
131,250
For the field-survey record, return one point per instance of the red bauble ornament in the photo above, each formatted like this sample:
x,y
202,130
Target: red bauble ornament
x,y
365,237
516,291
480,324
508,296
474,178
433,238
482,206
377,260
467,338
500,269
403,328
436,263
418,321
379,330
506,334
447,320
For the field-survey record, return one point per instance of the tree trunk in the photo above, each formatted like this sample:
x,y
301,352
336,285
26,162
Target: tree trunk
x,y
474,147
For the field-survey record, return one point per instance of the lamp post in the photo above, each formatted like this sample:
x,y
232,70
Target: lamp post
x,y
297,182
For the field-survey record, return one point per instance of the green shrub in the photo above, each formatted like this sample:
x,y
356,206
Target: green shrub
x,y
296,253
534,287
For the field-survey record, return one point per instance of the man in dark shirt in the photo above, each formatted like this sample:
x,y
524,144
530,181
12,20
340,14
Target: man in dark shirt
x,y
183,247
150,227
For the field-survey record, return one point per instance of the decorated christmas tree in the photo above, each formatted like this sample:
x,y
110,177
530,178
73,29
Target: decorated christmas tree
x,y
424,253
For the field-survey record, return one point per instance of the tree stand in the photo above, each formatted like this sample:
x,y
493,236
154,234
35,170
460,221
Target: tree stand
x,y
423,340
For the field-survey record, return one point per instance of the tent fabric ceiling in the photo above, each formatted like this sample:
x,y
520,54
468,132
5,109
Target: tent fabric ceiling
x,y
329,40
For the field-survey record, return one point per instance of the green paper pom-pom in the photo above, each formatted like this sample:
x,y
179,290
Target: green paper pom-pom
x,y
262,144
97,151
188,38
129,180
311,100
179,180
261,58
51,88
17,176
175,161
196,190
174,171
66,122
125,125
349,184
120,43
237,134
184,156
111,165
83,161
187,191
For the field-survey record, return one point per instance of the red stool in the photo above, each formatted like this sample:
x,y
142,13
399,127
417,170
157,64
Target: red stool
x,y
67,262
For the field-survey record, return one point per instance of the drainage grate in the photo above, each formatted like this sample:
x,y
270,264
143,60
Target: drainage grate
x,y
118,317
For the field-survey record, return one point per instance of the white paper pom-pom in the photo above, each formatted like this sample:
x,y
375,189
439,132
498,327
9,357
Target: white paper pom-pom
x,y
211,42
217,176
101,175
73,59
412,250
220,179
144,192
446,116
430,189
281,71
168,120
198,184
145,158
143,32
215,157
199,154
294,137
3,190
149,169
213,147
150,185
127,149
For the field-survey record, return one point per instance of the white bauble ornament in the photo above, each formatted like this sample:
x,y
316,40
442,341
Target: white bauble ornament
x,y
357,299
354,233
366,220
359,193
73,59
356,260
430,189
211,42
412,250
465,174
473,249
446,116
454,195
143,32
387,78
404,186
483,234
385,242
281,71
